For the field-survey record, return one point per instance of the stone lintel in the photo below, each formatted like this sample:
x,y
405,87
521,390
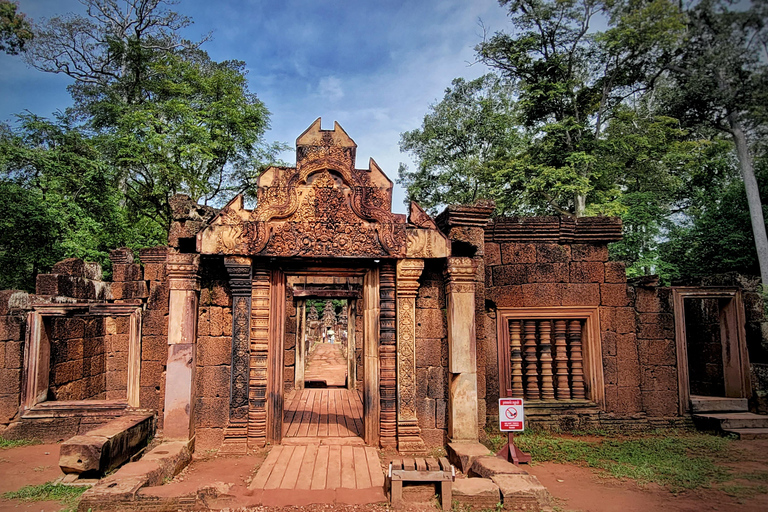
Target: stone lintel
x,y
561,230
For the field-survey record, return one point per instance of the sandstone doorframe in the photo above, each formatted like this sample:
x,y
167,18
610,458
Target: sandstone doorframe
x,y
732,337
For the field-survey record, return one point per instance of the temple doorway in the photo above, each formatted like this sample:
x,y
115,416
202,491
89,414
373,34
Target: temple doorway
x,y
323,359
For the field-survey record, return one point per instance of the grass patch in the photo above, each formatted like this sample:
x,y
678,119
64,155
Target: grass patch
x,y
743,492
47,492
678,461
13,443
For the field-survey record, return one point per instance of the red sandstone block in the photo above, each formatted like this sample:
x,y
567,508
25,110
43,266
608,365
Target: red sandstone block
x,y
422,378
9,407
624,320
518,253
647,300
217,320
289,358
74,349
428,351
70,267
152,373
11,328
589,252
117,380
654,331
208,439
213,381
154,348
13,299
212,412
660,403
614,295
10,380
431,323
629,400
116,361
434,437
154,271
657,352
615,272
628,371
581,294
212,351
553,253
150,397
492,254
425,412
481,382
543,294
663,320
154,323
437,384
130,290
505,275
587,272
47,284
610,371
548,273
290,325
127,272
609,342
611,398
220,294
659,378
159,296
441,413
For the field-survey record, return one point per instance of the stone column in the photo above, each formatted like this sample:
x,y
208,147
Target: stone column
x,y
462,358
408,433
387,356
236,434
184,284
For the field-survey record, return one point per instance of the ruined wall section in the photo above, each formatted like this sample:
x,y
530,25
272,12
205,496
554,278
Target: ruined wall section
x,y
432,356
14,305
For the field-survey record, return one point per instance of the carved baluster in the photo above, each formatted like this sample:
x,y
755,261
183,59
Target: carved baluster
x,y
561,361
545,346
577,368
516,358
387,357
531,362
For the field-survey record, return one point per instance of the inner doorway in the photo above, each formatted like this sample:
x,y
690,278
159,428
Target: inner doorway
x,y
323,360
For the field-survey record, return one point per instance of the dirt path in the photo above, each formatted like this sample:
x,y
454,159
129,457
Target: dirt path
x,y
29,465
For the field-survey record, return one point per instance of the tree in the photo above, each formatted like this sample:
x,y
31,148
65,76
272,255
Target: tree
x,y
721,80
166,115
570,79
463,139
15,30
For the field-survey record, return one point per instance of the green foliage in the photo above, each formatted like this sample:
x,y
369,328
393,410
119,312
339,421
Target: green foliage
x,y
15,30
67,495
677,460
14,443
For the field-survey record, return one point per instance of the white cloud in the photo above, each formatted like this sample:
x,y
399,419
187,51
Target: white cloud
x,y
330,87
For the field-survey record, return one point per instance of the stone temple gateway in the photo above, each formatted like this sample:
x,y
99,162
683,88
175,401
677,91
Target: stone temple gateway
x,y
424,323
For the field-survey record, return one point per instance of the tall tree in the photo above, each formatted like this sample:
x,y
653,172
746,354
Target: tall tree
x,y
570,78
721,79
15,30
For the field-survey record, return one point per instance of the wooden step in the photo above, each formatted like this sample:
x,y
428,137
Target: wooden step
x,y
705,404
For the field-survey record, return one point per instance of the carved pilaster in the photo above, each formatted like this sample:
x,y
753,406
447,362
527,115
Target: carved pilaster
x,y
257,383
462,359
408,433
239,271
387,350
184,284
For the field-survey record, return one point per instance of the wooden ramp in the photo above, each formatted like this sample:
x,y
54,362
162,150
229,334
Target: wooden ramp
x,y
312,473
319,412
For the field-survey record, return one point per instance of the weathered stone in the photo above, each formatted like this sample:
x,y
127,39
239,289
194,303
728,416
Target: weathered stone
x,y
127,272
553,253
614,295
581,294
462,455
505,275
492,254
589,252
479,493
488,466
108,446
522,492
548,273
615,272
518,253
587,272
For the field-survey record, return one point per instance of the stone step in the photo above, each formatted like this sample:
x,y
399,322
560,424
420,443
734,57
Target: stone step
x,y
749,433
704,404
731,420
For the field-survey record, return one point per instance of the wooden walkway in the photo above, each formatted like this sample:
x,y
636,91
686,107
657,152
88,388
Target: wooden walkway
x,y
314,467
323,412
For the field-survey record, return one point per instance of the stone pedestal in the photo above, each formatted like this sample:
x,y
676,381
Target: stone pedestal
x,y
462,359
184,285
408,433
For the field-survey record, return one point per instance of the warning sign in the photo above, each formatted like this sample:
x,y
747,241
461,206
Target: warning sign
x,y
511,415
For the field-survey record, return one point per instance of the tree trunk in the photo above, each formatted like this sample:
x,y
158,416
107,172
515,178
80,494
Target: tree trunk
x,y
580,204
753,195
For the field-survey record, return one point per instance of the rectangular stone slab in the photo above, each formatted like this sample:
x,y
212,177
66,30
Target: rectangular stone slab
x,y
107,446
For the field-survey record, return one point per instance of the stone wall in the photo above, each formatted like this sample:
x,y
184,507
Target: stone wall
x,y
214,355
13,308
432,356
78,358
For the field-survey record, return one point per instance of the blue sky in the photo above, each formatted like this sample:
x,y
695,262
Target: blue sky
x,y
373,66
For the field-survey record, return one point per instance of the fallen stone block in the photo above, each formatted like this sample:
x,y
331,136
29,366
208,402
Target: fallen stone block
x,y
486,467
478,493
522,492
462,455
108,446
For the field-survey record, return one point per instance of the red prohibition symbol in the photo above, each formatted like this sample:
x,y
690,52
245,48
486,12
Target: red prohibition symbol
x,y
511,413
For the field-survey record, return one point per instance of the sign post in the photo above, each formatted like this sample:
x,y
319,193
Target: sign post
x,y
512,419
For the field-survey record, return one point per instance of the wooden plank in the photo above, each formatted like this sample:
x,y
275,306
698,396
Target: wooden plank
x,y
315,416
357,410
333,426
444,464
374,467
446,495
333,480
292,470
306,416
304,480
278,472
347,468
409,464
266,468
290,411
362,476
421,476
345,423
320,473
397,464
421,464
322,428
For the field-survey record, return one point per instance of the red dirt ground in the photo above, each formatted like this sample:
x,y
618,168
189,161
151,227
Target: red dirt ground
x,y
575,488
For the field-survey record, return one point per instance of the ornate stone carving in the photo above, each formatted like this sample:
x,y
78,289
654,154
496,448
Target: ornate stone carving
x,y
408,433
182,271
257,384
387,359
239,270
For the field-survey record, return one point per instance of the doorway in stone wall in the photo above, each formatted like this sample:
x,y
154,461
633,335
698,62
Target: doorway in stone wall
x,y
323,359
